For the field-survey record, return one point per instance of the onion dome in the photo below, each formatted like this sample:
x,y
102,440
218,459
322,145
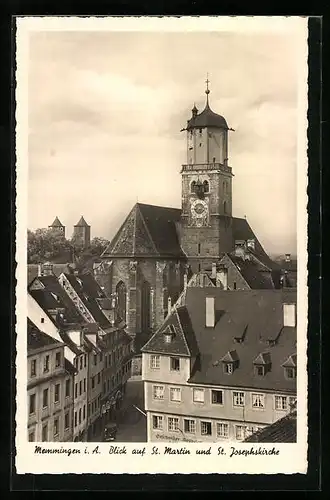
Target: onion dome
x,y
207,118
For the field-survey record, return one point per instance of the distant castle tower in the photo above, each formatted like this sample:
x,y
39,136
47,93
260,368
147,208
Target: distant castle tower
x,y
57,225
82,232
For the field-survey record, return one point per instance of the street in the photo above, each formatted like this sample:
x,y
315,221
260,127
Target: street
x,y
132,426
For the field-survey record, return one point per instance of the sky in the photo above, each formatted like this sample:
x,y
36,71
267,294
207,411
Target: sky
x,y
105,110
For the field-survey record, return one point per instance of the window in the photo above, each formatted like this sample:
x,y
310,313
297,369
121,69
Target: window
x,y
158,392
33,370
56,427
67,420
175,364
175,394
106,361
173,424
45,398
199,248
88,409
84,385
112,381
104,388
32,403
67,388
80,387
260,370
217,397
258,401
57,393
238,398
42,320
222,430
189,426
84,412
206,186
44,432
31,436
229,368
240,432
99,378
234,285
76,390
192,186
198,395
290,372
79,419
57,359
157,422
75,419
206,428
95,359
85,360
81,363
281,403
46,364
154,362
93,382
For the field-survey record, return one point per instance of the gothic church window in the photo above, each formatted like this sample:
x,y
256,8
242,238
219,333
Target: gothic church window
x,y
192,186
145,307
206,186
121,300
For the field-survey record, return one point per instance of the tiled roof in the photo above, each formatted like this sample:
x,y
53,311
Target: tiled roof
x,y
148,231
82,223
52,296
255,277
179,344
89,291
283,430
56,223
37,339
32,270
249,323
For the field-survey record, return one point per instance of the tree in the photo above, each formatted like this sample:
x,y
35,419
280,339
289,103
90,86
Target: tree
x,y
47,244
86,255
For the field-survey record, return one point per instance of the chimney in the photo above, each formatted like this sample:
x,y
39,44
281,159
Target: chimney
x,y
222,277
214,270
240,248
209,312
289,315
48,269
39,270
287,257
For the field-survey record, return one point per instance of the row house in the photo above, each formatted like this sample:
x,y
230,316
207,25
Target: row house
x,y
75,310
50,379
221,367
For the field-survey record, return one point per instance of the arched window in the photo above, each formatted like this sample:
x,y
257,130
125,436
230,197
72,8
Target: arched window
x,y
223,187
224,207
145,307
206,186
121,300
192,186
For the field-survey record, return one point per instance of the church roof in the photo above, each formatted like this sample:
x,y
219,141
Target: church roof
x,y
56,223
81,223
148,231
207,118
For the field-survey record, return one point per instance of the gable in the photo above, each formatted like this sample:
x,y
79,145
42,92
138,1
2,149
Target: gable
x,y
36,285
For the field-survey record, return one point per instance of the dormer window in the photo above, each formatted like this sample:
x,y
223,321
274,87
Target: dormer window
x,y
262,364
80,282
290,367
169,333
290,373
230,362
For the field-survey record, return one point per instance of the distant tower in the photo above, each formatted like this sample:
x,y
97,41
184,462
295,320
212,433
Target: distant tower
x,y
57,225
82,232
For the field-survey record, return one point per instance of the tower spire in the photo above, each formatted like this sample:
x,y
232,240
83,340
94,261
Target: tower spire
x,y
207,91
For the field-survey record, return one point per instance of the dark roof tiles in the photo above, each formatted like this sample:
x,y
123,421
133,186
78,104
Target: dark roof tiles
x,y
36,339
283,430
207,118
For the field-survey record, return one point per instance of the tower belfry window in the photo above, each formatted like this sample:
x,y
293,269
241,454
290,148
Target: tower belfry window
x,y
206,186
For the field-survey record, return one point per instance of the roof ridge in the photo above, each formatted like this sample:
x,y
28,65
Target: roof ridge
x,y
179,322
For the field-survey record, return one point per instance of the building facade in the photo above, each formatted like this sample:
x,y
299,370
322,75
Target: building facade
x,y
221,367
49,388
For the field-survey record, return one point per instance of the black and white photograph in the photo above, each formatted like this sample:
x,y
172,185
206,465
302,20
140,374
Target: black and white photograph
x,y
161,244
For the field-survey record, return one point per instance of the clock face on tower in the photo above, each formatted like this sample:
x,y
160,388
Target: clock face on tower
x,y
199,209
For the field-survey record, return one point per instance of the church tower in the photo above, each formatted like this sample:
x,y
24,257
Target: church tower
x,y
206,220
57,226
82,233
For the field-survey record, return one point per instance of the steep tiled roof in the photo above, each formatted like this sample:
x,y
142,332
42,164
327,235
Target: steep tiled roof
x,y
283,430
89,291
52,296
256,313
82,223
148,231
36,339
180,345
56,223
253,275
